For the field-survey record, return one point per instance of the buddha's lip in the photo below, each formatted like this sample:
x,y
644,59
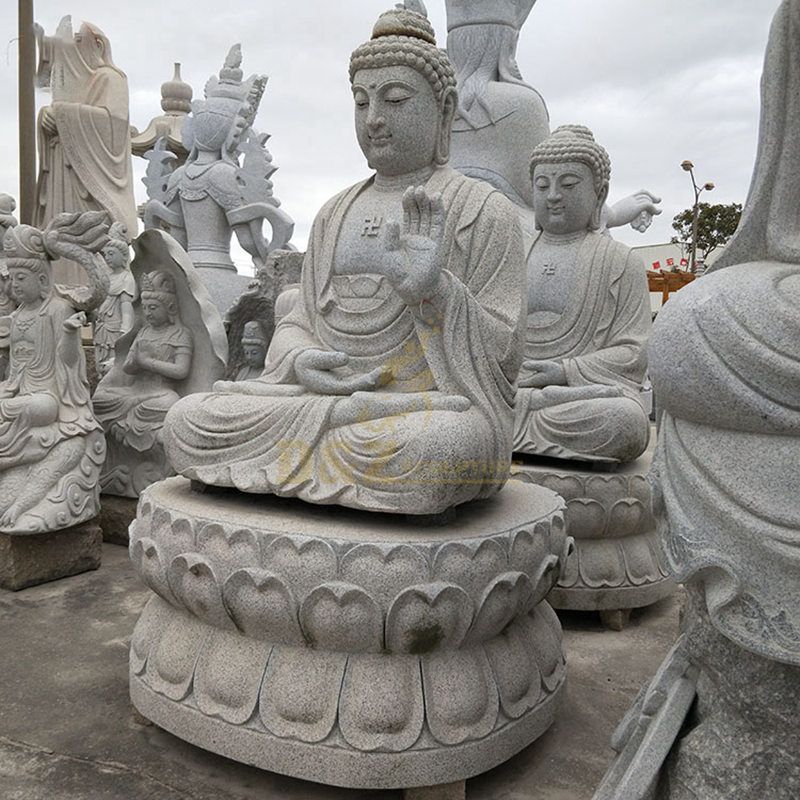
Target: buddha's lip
x,y
380,139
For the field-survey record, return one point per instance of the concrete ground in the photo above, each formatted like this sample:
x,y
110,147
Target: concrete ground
x,y
68,732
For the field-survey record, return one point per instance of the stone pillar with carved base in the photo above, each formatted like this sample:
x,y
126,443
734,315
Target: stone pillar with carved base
x,y
616,564
331,645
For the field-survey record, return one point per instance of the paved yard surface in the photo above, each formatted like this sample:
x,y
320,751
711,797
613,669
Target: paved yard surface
x,y
67,730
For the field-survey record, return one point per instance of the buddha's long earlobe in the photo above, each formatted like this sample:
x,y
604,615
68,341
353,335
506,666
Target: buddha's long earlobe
x,y
448,105
597,214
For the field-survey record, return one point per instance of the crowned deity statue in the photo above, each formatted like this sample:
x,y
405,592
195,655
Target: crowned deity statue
x,y
588,317
224,187
51,445
254,352
389,386
84,134
115,315
154,364
501,118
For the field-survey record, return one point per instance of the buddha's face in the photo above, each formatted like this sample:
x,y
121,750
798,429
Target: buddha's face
x,y
397,119
564,197
114,257
155,312
254,355
26,285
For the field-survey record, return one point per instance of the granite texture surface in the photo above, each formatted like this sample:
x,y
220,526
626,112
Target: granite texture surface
x,y
348,649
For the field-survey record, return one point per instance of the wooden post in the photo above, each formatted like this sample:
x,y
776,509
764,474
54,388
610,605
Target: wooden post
x,y
27,112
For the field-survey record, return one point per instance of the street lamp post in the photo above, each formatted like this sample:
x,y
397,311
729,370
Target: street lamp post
x,y
688,166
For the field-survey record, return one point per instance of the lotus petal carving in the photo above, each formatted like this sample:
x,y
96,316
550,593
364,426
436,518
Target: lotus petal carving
x,y
342,618
427,618
262,606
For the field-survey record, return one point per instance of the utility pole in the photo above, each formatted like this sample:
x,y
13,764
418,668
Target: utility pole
x,y
27,112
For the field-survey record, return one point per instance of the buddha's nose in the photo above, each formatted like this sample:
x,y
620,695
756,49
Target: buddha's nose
x,y
375,119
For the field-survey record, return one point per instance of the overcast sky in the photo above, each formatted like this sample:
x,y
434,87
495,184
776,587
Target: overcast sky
x,y
658,81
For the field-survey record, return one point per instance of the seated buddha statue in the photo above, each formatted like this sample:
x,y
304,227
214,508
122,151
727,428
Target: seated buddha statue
x,y
160,354
588,315
51,445
389,386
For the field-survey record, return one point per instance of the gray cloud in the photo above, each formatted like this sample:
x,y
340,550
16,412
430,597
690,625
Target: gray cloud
x,y
657,80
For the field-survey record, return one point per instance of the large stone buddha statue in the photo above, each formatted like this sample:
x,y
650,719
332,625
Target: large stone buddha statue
x,y
390,386
588,315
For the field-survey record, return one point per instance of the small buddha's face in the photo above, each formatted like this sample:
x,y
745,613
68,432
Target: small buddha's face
x,y
26,285
564,197
155,312
254,355
397,119
114,257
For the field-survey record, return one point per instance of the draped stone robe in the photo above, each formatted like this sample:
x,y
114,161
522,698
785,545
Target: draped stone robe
x,y
601,339
395,449
47,396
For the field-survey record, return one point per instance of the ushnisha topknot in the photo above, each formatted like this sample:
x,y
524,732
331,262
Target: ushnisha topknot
x,y
405,38
574,143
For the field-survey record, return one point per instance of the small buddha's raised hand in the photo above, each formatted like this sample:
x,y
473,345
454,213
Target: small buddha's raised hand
x,y
416,268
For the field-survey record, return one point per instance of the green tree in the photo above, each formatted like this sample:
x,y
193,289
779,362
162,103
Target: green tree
x,y
715,226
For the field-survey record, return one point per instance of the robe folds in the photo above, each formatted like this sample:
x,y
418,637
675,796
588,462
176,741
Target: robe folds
x,y
49,398
438,434
135,408
86,164
601,340
726,466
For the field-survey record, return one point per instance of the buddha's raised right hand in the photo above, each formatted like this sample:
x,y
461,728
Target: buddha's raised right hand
x,y
416,267
314,369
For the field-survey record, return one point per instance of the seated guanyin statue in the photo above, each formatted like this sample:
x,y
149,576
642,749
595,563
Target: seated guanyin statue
x,y
155,364
51,445
390,385
588,315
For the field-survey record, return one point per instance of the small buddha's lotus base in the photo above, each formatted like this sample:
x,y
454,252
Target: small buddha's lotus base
x,y
349,648
616,564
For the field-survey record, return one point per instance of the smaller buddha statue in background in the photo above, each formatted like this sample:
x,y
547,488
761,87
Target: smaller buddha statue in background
x,y
132,410
176,347
254,350
588,315
115,315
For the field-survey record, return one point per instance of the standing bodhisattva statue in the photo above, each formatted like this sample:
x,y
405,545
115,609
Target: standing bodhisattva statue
x,y
51,445
84,134
390,386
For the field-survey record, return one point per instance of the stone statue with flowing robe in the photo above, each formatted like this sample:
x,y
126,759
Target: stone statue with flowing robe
x,y
51,445
84,134
390,385
588,316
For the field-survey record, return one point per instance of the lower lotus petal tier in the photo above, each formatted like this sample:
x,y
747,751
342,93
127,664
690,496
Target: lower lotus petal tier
x,y
349,648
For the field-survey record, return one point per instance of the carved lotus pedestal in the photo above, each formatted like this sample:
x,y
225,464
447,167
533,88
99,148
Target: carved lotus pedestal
x,y
348,648
616,564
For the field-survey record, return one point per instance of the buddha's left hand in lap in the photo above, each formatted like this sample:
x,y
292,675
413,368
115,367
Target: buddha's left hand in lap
x,y
416,270
538,374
